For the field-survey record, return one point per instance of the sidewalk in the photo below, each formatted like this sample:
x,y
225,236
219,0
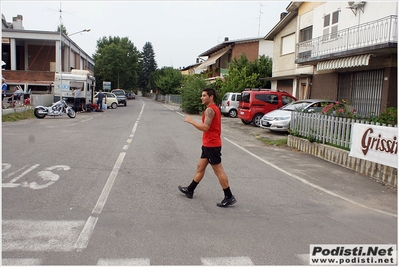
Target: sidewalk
x,y
10,110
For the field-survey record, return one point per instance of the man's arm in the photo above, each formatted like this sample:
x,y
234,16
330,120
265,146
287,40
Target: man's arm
x,y
209,115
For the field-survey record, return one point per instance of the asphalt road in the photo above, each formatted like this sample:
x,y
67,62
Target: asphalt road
x,y
101,189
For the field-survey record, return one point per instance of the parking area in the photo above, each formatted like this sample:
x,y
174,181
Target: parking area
x,y
236,123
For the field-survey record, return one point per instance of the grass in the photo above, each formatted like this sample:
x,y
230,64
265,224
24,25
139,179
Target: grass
x,y
270,142
17,116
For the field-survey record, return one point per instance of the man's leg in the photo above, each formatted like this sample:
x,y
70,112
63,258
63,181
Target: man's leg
x,y
199,174
220,173
229,199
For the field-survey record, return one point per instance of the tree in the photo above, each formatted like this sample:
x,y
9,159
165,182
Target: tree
x,y
191,93
242,73
116,61
148,65
62,29
168,80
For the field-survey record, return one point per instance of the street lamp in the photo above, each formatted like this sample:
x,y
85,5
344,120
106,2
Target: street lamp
x,y
85,30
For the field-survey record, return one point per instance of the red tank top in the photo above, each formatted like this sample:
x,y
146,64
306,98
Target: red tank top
x,y
211,138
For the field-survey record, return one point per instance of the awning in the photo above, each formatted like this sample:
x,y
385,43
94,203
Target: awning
x,y
212,60
346,62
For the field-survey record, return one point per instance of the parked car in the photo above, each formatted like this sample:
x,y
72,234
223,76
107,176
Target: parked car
x,y
121,95
110,100
257,102
279,120
130,95
229,106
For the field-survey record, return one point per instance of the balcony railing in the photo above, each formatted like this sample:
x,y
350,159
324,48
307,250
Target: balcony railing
x,y
371,34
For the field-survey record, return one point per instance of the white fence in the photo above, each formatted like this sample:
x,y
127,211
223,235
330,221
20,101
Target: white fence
x,y
325,129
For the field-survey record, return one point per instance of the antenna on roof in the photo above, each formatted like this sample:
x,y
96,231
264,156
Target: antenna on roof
x,y
260,14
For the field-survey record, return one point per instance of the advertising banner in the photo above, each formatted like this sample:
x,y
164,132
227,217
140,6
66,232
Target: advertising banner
x,y
377,144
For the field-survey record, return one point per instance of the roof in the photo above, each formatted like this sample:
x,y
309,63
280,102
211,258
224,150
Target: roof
x,y
292,13
227,43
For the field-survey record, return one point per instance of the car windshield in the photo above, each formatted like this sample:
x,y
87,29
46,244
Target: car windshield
x,y
226,97
118,92
296,106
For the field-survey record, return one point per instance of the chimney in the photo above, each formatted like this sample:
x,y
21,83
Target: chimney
x,y
226,39
17,22
283,14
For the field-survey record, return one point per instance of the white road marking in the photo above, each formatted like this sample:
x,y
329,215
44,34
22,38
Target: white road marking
x,y
5,166
84,237
30,235
11,183
227,261
309,183
21,262
124,262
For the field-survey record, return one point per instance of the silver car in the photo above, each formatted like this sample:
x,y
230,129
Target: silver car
x,y
230,103
279,119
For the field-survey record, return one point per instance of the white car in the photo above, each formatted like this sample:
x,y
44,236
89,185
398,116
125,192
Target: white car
x,y
279,119
230,103
109,99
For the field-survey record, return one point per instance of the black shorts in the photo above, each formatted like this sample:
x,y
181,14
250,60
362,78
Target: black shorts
x,y
213,154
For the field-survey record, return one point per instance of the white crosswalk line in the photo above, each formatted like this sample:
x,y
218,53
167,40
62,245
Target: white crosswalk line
x,y
21,262
227,261
28,235
124,262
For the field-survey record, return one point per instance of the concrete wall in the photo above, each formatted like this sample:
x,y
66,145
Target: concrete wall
x,y
385,174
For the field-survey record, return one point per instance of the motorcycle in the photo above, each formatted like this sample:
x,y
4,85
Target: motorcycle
x,y
57,109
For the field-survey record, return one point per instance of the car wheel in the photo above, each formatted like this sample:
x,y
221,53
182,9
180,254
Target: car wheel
x,y
114,105
256,120
233,113
246,122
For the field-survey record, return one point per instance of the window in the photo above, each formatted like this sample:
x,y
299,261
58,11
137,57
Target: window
x,y
330,26
288,44
286,99
305,34
327,20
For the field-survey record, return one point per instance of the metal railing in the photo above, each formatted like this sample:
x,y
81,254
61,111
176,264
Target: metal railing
x,y
325,129
370,34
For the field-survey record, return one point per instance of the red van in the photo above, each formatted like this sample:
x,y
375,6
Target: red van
x,y
257,102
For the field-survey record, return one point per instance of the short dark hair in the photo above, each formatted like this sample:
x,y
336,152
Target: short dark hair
x,y
210,92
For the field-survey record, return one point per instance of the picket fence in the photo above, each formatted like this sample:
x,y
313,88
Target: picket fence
x,y
325,129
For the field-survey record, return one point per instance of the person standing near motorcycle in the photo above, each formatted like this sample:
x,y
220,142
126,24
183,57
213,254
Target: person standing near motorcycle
x,y
100,100
76,98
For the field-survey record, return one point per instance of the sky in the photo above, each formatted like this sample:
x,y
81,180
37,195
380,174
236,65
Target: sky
x,y
179,31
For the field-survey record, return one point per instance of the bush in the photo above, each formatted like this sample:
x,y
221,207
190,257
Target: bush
x,y
191,94
389,116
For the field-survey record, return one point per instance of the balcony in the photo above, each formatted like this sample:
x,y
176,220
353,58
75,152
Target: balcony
x,y
375,35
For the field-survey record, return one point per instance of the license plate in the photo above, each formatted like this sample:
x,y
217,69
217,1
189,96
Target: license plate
x,y
242,112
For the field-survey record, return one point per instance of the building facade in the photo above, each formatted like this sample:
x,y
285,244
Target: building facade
x,y
342,51
31,58
218,57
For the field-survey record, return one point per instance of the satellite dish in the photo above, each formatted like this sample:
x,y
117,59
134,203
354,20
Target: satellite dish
x,y
351,3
